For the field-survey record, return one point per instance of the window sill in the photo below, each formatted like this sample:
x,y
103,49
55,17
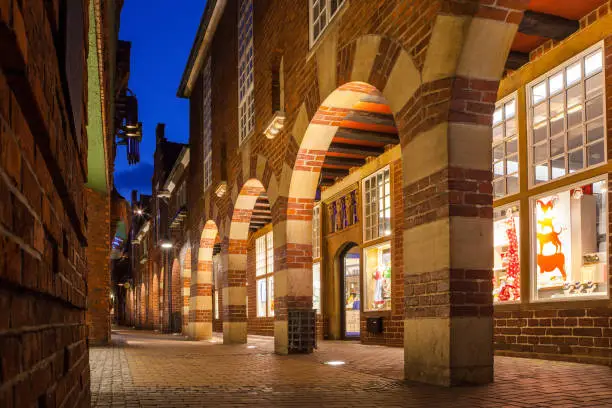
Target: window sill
x,y
555,304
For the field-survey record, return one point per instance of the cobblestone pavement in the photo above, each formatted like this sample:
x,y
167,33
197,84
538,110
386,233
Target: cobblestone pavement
x,y
152,370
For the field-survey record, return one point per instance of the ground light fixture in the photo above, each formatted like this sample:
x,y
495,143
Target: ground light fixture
x,y
334,363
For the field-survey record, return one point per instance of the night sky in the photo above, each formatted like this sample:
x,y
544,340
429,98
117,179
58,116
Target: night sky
x,y
162,33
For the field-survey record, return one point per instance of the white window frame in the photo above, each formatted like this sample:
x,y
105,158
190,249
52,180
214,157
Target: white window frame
x,y
500,106
207,124
533,245
317,266
544,78
264,271
329,16
316,232
246,80
365,204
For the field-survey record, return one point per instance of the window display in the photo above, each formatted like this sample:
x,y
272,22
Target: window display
x,y
506,265
377,277
316,286
566,118
264,272
316,232
352,293
377,205
505,148
570,243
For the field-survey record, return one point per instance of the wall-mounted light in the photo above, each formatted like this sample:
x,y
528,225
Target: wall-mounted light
x,y
276,125
221,189
165,243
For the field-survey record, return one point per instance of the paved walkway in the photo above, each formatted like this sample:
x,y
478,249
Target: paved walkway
x,y
143,369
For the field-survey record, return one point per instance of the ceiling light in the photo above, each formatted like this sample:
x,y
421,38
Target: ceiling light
x,y
334,363
276,125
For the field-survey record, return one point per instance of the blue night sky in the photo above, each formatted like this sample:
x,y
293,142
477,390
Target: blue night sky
x,y
161,33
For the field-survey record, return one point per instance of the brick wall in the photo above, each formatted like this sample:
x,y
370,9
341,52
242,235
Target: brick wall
x,y
43,267
98,260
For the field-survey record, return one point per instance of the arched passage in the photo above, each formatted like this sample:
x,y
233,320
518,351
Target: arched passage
x,y
201,285
154,299
234,295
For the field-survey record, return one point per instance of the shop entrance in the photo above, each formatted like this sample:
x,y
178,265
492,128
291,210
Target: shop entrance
x,y
350,292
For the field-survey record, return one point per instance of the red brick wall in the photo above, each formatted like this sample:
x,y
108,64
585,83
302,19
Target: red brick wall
x,y
98,259
43,264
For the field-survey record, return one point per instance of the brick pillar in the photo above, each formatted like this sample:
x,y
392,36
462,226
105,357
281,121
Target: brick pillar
x,y
186,291
203,284
98,261
154,300
292,264
234,255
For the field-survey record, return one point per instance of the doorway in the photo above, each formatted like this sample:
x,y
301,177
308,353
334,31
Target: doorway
x,y
351,292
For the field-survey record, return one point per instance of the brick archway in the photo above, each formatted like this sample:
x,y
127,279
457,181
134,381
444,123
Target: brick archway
x,y
200,302
175,300
234,256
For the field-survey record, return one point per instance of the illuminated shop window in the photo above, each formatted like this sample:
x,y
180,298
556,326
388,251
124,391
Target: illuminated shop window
x,y
570,242
321,13
377,205
316,286
207,124
246,93
505,148
316,232
377,277
264,272
566,118
506,263
215,280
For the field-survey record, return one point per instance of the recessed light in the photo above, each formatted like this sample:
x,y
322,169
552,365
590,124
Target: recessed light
x,y
335,363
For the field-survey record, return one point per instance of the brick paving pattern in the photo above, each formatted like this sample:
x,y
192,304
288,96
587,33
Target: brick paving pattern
x,y
150,370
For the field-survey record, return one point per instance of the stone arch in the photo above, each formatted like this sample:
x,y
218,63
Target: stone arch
x,y
154,300
234,255
201,285
142,305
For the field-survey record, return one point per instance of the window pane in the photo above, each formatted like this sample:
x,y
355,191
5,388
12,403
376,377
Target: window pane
x,y
316,287
497,116
555,83
510,127
541,173
506,263
574,138
498,134
575,161
595,130
574,73
540,152
498,168
271,296
261,297
594,85
510,109
498,152
540,133
557,145
539,92
512,164
512,146
499,187
540,113
558,167
570,241
593,63
513,183
594,108
377,277
595,153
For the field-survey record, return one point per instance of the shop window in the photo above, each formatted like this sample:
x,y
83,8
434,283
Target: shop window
x,y
377,205
207,124
377,277
316,286
246,93
566,118
321,13
570,243
264,272
505,148
506,263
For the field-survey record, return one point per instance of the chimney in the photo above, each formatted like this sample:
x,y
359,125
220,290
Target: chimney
x,y
134,196
160,132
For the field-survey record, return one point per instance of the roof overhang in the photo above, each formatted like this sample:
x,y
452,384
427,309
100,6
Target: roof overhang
x,y
206,31
177,170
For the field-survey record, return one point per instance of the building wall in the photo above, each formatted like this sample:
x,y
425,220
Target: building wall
x,y
564,330
98,260
43,264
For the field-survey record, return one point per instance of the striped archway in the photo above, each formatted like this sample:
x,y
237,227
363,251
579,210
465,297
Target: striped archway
x,y
186,291
234,291
175,301
200,314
